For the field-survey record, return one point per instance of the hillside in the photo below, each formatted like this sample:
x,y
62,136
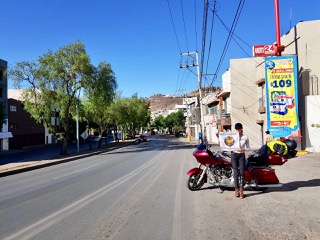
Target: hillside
x,y
160,102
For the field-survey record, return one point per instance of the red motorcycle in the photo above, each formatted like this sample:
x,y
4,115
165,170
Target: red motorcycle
x,y
216,169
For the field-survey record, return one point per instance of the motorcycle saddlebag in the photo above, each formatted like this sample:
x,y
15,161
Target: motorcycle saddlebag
x,y
276,159
264,175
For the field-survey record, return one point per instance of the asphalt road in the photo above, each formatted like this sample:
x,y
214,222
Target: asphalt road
x,y
49,151
140,192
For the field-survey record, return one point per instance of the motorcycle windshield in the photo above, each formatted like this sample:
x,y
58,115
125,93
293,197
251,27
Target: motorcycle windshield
x,y
201,146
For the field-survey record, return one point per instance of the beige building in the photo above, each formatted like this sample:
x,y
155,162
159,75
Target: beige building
x,y
243,98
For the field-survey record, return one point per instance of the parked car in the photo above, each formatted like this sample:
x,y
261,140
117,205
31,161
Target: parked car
x,y
142,138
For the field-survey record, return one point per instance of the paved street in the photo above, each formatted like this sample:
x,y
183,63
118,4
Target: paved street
x,y
139,192
43,152
15,161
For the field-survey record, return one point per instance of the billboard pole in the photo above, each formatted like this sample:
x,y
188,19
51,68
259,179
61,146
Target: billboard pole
x,y
280,48
277,18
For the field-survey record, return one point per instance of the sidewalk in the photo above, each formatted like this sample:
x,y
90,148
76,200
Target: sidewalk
x,y
13,162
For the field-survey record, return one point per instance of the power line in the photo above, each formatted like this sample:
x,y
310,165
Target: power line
x,y
235,35
174,27
184,25
195,23
226,46
204,32
211,33
225,26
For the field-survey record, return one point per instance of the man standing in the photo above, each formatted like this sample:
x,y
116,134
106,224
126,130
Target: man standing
x,y
238,161
269,137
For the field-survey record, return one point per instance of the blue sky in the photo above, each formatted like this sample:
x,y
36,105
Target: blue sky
x,y
139,38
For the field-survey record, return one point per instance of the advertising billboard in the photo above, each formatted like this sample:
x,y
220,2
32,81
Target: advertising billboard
x,y
282,96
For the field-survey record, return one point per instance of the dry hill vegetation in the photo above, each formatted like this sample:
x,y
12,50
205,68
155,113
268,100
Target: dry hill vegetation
x,y
160,102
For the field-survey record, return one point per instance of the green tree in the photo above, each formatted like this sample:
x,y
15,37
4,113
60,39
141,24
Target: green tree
x,y
158,122
175,121
169,122
179,121
130,113
52,83
101,92
38,101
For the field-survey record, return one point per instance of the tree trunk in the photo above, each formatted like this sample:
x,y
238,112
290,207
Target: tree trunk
x,y
64,148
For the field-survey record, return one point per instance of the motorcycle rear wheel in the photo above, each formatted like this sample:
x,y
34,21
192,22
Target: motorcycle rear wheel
x,y
193,180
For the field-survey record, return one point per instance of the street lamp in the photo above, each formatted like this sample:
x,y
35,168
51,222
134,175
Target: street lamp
x,y
77,121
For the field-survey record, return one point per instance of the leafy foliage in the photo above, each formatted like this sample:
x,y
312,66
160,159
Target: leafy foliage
x,y
130,113
52,83
174,122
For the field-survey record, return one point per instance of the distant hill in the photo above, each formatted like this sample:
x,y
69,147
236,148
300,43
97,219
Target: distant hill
x,y
161,102
165,102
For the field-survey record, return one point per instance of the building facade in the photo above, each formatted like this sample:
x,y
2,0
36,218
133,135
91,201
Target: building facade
x,y
25,130
5,135
244,92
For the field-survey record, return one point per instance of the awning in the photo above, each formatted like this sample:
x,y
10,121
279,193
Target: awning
x,y
5,135
210,99
223,94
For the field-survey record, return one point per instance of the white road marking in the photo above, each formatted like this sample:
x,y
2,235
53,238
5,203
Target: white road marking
x,y
41,225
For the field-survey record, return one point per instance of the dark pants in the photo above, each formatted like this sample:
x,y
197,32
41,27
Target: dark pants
x,y
238,163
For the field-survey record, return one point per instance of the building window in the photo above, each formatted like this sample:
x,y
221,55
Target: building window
x,y
1,93
1,75
13,126
13,108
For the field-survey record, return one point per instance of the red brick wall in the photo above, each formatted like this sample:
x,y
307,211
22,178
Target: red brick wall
x,y
25,130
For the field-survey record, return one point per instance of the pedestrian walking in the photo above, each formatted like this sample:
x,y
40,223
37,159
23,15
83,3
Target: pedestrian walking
x,y
238,161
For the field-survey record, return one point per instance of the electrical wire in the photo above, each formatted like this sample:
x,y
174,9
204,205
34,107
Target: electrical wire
x,y
184,25
226,46
233,37
204,32
195,23
211,33
174,27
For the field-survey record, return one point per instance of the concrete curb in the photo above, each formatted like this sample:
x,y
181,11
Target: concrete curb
x,y
302,152
47,163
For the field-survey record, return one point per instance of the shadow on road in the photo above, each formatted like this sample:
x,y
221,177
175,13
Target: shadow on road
x,y
288,187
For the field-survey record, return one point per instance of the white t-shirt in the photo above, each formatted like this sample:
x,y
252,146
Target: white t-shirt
x,y
243,143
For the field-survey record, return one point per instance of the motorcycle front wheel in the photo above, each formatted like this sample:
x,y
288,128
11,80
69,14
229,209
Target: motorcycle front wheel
x,y
192,182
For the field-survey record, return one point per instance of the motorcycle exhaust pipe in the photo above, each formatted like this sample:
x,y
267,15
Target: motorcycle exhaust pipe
x,y
265,185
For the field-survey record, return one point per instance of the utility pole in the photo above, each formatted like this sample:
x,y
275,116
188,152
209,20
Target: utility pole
x,y
196,64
